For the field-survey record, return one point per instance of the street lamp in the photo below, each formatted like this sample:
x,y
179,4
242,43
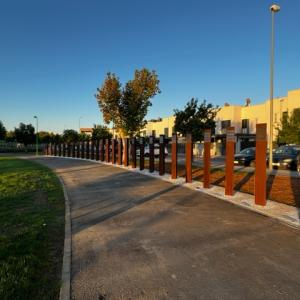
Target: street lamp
x,y
37,138
274,9
79,123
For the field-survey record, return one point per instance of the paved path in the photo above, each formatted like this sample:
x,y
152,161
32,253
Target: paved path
x,y
136,237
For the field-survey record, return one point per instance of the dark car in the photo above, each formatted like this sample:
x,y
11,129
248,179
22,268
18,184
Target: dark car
x,y
287,157
245,158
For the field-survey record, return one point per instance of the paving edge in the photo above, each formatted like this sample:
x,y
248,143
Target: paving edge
x,y
65,290
228,199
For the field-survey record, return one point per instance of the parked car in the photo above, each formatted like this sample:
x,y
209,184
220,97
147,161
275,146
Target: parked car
x,y
287,157
156,151
246,157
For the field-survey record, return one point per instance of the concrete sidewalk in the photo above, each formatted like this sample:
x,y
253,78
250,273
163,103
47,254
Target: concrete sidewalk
x,y
137,237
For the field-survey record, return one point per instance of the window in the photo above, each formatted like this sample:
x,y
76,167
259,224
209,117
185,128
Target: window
x,y
225,124
153,133
284,115
245,123
166,132
245,126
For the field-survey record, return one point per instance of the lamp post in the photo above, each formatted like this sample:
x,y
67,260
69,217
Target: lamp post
x,y
274,9
37,138
79,123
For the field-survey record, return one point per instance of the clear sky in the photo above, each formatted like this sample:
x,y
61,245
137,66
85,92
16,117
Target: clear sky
x,y
55,53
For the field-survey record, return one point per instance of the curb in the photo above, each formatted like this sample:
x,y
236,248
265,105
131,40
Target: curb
x,y
65,290
214,191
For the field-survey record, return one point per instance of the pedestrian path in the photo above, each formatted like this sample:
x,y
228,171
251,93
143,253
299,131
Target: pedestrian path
x,y
139,237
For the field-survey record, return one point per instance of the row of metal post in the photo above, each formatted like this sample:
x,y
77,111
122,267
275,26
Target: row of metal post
x,y
119,148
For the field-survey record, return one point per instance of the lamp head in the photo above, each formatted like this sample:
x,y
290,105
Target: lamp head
x,y
275,8
35,117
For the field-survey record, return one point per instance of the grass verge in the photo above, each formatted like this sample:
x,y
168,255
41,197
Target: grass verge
x,y
31,230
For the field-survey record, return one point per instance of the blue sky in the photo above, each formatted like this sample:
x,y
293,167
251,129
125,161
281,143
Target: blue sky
x,y
55,53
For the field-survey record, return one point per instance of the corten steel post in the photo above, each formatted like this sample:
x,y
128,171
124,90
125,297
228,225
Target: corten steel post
x,y
107,154
133,152
113,151
55,149
174,156
188,158
92,150
77,149
69,149
142,153
63,149
73,149
97,150
206,158
229,164
120,151
82,144
59,149
87,151
125,152
151,154
260,165
46,149
101,150
162,155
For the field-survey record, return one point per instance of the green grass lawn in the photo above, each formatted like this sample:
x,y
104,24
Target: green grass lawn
x,y
31,230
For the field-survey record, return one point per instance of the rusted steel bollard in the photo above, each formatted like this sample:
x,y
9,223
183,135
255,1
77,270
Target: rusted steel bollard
x,y
151,154
101,150
174,156
73,150
120,151
188,157
125,152
260,190
133,152
81,150
59,149
55,149
107,150
92,150
206,158
142,153
162,155
229,164
68,149
63,149
97,150
113,151
87,151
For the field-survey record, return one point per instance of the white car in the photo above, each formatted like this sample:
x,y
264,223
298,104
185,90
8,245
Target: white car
x,y
156,151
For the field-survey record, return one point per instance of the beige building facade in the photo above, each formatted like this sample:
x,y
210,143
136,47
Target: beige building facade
x,y
242,117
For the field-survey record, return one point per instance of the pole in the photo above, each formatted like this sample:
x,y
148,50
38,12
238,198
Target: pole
x,y
274,8
36,137
271,95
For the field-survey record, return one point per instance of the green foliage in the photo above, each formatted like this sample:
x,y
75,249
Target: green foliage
x,y
2,131
70,136
31,231
83,137
195,118
289,129
127,107
25,134
100,132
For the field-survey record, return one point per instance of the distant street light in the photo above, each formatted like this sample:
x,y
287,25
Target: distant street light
x,y
79,123
274,9
37,137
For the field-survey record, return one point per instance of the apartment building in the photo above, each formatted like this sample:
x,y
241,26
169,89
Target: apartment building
x,y
242,117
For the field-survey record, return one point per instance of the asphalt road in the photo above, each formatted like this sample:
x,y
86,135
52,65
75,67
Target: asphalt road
x,y
137,237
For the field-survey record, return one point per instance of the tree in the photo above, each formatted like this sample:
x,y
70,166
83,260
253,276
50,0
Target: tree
x,y
127,107
2,131
10,136
70,136
101,132
195,118
289,129
25,134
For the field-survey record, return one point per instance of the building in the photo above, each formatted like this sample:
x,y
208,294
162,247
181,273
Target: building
x,y
242,117
87,131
